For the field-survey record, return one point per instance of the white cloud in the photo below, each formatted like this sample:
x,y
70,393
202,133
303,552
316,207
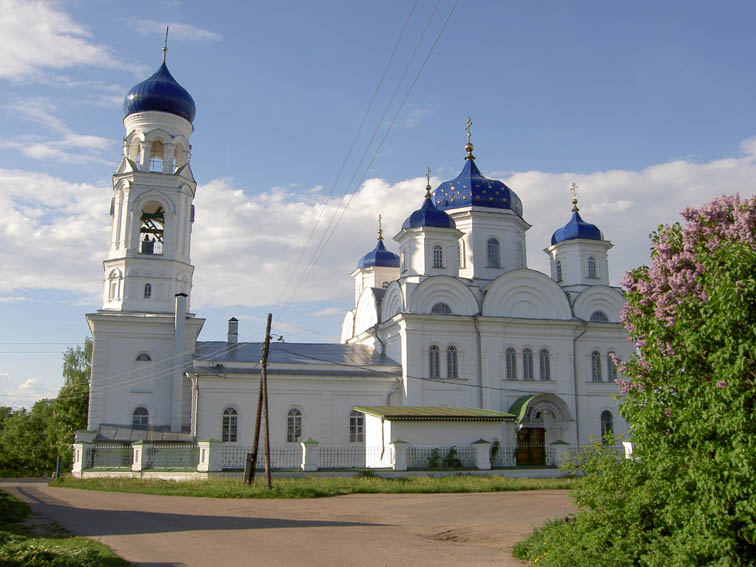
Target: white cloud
x,y
35,36
185,33
23,394
245,247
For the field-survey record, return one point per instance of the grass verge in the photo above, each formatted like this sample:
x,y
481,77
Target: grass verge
x,y
27,542
313,487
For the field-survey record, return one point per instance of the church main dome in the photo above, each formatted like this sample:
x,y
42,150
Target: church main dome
x,y
160,92
471,188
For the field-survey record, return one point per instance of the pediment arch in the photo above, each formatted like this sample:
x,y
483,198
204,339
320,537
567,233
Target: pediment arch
x,y
527,294
599,298
443,289
393,301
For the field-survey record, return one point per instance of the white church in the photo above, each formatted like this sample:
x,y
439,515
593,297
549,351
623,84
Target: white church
x,y
453,340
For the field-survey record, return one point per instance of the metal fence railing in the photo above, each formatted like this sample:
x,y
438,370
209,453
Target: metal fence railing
x,y
114,455
171,456
504,457
439,456
286,457
347,457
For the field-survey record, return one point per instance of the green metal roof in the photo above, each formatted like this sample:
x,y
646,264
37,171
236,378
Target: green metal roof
x,y
421,413
521,406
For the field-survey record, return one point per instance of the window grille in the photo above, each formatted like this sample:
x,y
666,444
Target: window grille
x,y
434,362
559,271
527,364
441,308
230,422
140,419
147,291
511,357
592,267
599,316
452,367
545,365
294,426
356,427
596,366
438,257
494,253
607,423
143,357
611,368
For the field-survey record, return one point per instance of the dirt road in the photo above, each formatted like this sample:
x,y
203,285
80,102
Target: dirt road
x,y
365,530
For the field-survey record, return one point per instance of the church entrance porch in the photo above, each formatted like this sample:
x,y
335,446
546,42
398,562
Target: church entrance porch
x,y
531,446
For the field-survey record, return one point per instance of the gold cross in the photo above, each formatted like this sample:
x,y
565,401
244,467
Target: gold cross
x,y
380,228
467,128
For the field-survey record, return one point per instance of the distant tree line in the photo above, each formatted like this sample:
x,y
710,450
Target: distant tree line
x,y
31,440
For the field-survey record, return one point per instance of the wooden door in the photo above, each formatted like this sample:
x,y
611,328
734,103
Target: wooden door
x,y
531,448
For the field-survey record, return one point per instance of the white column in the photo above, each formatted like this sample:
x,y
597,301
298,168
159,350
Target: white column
x,y
210,456
482,455
399,462
310,455
139,459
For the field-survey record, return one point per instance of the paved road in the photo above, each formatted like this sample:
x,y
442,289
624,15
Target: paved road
x,y
366,530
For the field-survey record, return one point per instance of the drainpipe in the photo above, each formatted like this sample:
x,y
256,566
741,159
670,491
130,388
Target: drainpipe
x,y
177,373
480,360
195,402
575,380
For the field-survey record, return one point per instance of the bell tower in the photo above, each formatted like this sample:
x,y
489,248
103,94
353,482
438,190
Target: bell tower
x,y
143,334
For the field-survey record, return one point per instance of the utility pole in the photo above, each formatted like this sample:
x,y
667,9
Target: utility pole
x,y
262,402
264,380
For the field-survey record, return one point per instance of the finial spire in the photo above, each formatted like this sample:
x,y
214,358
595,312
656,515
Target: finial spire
x,y
427,184
165,45
573,190
380,228
469,147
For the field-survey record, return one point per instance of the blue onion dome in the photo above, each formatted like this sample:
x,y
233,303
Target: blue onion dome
x,y
379,257
471,188
160,92
428,215
576,227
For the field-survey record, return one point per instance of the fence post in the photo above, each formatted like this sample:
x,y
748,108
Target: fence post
x,y
399,462
482,450
628,446
80,457
210,456
139,460
310,455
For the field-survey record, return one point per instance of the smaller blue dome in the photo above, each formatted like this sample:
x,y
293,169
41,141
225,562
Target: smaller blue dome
x,y
429,216
160,92
379,257
576,228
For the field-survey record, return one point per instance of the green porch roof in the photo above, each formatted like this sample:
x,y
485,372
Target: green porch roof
x,y
422,413
520,406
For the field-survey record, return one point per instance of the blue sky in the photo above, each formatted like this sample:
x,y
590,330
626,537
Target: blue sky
x,y
647,106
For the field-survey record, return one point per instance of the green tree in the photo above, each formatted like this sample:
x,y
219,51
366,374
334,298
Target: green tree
x,y
688,497
31,440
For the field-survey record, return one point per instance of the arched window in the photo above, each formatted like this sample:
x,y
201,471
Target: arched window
x,y
592,267
607,424
452,367
545,364
441,308
611,368
494,254
434,360
438,257
140,419
147,291
294,426
596,366
143,357
599,316
230,421
356,427
527,364
559,271
511,357
157,149
385,284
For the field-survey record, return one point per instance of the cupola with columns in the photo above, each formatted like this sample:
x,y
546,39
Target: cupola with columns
x,y
428,241
578,252
148,261
377,268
